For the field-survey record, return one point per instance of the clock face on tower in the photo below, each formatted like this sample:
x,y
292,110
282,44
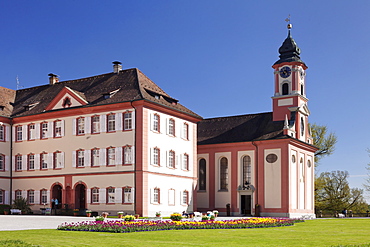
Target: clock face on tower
x,y
285,72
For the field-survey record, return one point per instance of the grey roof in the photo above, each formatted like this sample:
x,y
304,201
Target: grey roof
x,y
289,51
243,128
131,84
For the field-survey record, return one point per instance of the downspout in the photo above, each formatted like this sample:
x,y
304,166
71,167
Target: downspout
x,y
253,143
11,162
135,156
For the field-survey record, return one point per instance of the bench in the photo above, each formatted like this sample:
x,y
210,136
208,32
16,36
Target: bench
x,y
15,211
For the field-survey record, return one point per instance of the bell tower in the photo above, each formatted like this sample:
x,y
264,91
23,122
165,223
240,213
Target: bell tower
x,y
289,102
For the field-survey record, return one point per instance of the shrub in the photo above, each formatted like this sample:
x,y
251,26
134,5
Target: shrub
x,y
176,216
22,204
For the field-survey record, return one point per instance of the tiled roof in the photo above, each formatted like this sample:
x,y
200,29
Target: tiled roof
x,y
243,128
130,84
6,99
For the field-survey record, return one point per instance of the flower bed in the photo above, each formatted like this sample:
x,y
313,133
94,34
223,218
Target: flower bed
x,y
145,225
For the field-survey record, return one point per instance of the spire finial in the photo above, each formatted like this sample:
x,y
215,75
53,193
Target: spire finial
x,y
289,26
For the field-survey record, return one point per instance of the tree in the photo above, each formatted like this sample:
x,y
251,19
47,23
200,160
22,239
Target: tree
x,y
367,180
323,140
332,193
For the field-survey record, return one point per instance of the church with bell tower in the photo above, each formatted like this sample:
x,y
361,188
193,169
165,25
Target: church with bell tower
x,y
262,164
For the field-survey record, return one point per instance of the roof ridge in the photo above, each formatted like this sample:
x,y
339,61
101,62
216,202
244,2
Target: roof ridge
x,y
241,115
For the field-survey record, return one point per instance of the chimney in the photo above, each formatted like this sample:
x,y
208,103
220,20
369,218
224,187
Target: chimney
x,y
117,66
53,79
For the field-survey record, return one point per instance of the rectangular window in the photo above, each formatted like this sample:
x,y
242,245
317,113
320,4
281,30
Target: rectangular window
x,y
80,158
31,132
156,195
111,156
2,133
171,159
31,162
44,160
111,195
18,194
18,161
44,130
95,195
127,155
127,195
58,128
95,157
156,121
185,196
19,133
171,127
44,197
2,162
127,121
1,197
185,161
186,131
156,155
31,197
57,160
80,126
95,124
111,122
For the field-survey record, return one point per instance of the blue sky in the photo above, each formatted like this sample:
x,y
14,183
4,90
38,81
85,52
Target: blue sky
x,y
215,56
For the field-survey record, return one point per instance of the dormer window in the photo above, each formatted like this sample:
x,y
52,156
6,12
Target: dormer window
x,y
67,102
2,108
110,94
30,106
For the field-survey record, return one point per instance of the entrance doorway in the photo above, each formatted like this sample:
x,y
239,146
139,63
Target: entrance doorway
x,y
246,204
80,196
56,194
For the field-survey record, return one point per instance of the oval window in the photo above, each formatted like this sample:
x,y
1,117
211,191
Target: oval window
x,y
271,158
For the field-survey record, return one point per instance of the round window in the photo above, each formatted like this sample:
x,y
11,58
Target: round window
x,y
271,158
309,163
293,158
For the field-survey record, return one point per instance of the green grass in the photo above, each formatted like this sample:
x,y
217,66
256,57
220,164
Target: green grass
x,y
320,232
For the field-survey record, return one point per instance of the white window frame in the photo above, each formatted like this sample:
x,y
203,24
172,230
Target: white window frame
x,y
2,162
95,157
95,124
58,128
128,195
80,158
111,122
31,196
111,195
31,162
18,160
44,196
80,126
44,130
95,195
171,127
32,131
127,121
19,133
171,159
43,161
111,156
2,132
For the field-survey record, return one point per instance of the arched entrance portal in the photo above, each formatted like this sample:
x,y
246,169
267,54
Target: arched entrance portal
x,y
80,196
57,194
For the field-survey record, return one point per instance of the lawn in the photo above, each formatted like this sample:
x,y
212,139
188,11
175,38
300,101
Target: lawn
x,y
320,232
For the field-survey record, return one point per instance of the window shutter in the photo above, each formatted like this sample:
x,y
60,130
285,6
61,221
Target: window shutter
x,y
24,132
133,119
132,195
181,162
87,157
102,196
152,196
24,162
103,157
61,160
14,134
118,195
87,125
62,127
167,126
103,123
118,155
37,197
50,160
7,133
151,121
13,194
24,193
118,122
50,129
74,126
47,196
73,158
7,163
133,155
37,161
37,131
13,162
88,196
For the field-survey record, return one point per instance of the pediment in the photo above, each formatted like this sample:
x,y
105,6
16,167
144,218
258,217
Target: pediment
x,y
67,98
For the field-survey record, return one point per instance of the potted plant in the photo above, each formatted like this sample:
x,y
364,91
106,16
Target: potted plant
x,y
130,218
158,214
76,211
105,214
6,211
176,217
137,216
120,214
99,218
205,217
88,213
212,218
215,213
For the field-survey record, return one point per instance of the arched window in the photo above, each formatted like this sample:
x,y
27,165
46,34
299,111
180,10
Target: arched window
x,y
246,170
223,174
202,175
285,88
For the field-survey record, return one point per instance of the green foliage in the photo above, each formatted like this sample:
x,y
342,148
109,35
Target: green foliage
x,y
22,204
4,207
15,243
323,140
332,193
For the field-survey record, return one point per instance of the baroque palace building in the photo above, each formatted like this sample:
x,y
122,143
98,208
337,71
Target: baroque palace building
x,y
118,142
